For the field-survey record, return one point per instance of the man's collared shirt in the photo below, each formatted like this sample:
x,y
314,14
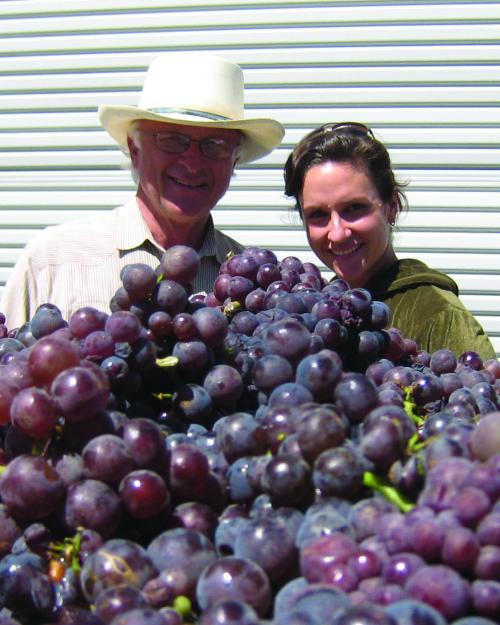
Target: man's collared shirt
x,y
78,263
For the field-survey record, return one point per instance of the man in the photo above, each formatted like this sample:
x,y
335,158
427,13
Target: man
x,y
184,140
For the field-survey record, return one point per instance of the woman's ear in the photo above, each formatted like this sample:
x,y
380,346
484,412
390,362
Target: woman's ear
x,y
393,211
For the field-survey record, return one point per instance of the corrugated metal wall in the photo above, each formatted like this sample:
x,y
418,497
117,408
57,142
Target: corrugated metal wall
x,y
424,75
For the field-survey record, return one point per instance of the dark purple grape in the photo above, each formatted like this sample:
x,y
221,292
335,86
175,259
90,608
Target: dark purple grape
x,y
188,471
182,554
197,516
319,428
9,531
229,612
443,361
50,356
338,471
116,600
79,393
184,327
414,612
320,557
144,493
192,403
139,280
355,394
290,394
170,296
442,588
486,598
117,562
94,505
30,487
287,338
243,265
234,578
46,320
319,373
193,356
286,479
224,385
107,458
485,440
267,273
33,412
180,263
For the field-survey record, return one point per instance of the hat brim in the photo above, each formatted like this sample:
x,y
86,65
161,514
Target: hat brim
x,y
261,136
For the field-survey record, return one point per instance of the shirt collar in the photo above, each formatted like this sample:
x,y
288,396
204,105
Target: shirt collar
x,y
132,232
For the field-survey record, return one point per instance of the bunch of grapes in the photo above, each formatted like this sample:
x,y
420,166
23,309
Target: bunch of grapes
x,y
270,452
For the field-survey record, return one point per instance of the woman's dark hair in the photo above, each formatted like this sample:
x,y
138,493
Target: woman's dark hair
x,y
346,142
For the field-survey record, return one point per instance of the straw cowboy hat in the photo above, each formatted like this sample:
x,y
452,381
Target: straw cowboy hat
x,y
195,90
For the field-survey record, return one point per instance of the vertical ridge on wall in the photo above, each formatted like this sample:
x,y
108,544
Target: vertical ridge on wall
x,y
424,75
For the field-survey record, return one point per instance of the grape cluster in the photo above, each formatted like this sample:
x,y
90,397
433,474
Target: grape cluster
x,y
271,452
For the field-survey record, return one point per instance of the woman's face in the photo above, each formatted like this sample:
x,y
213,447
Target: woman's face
x,y
347,224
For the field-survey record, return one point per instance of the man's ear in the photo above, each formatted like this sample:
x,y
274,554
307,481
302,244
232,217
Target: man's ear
x,y
133,149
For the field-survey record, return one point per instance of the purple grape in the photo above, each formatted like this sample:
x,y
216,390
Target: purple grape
x,y
144,493
33,412
30,487
236,578
50,356
355,395
486,597
398,568
270,371
229,612
320,428
171,297
79,392
139,280
182,552
319,373
100,570
414,612
116,600
338,471
485,440
224,385
180,263
94,505
442,588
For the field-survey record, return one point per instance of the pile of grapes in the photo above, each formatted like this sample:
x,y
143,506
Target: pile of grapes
x,y
272,452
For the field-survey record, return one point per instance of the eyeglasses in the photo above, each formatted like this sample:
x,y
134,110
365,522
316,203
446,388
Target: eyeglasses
x,y
177,143
355,128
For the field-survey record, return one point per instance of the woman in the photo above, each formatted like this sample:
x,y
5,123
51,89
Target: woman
x,y
348,198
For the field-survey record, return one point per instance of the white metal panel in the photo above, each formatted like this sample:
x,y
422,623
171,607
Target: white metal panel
x,y
424,75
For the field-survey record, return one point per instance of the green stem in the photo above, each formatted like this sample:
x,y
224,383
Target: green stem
x,y
382,486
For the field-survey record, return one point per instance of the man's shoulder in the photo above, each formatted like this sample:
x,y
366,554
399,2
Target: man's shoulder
x,y
90,234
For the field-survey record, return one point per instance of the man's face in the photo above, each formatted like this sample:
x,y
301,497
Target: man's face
x,y
184,187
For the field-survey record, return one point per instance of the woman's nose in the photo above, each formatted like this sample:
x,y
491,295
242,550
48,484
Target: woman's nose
x,y
338,229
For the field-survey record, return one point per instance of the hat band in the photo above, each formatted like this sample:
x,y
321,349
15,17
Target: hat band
x,y
190,112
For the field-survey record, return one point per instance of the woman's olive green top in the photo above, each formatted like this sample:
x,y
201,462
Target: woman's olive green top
x,y
425,307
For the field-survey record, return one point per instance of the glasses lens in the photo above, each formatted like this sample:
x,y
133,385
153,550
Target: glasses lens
x,y
216,148
174,142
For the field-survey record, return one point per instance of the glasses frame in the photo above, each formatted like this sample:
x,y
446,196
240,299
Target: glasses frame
x,y
210,141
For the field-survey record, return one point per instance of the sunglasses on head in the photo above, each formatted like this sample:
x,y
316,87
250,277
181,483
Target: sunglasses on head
x,y
354,128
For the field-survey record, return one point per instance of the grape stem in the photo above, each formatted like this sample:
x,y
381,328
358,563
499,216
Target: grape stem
x,y
410,406
382,486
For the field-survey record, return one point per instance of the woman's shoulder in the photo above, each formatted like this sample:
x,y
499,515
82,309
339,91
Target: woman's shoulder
x,y
408,274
